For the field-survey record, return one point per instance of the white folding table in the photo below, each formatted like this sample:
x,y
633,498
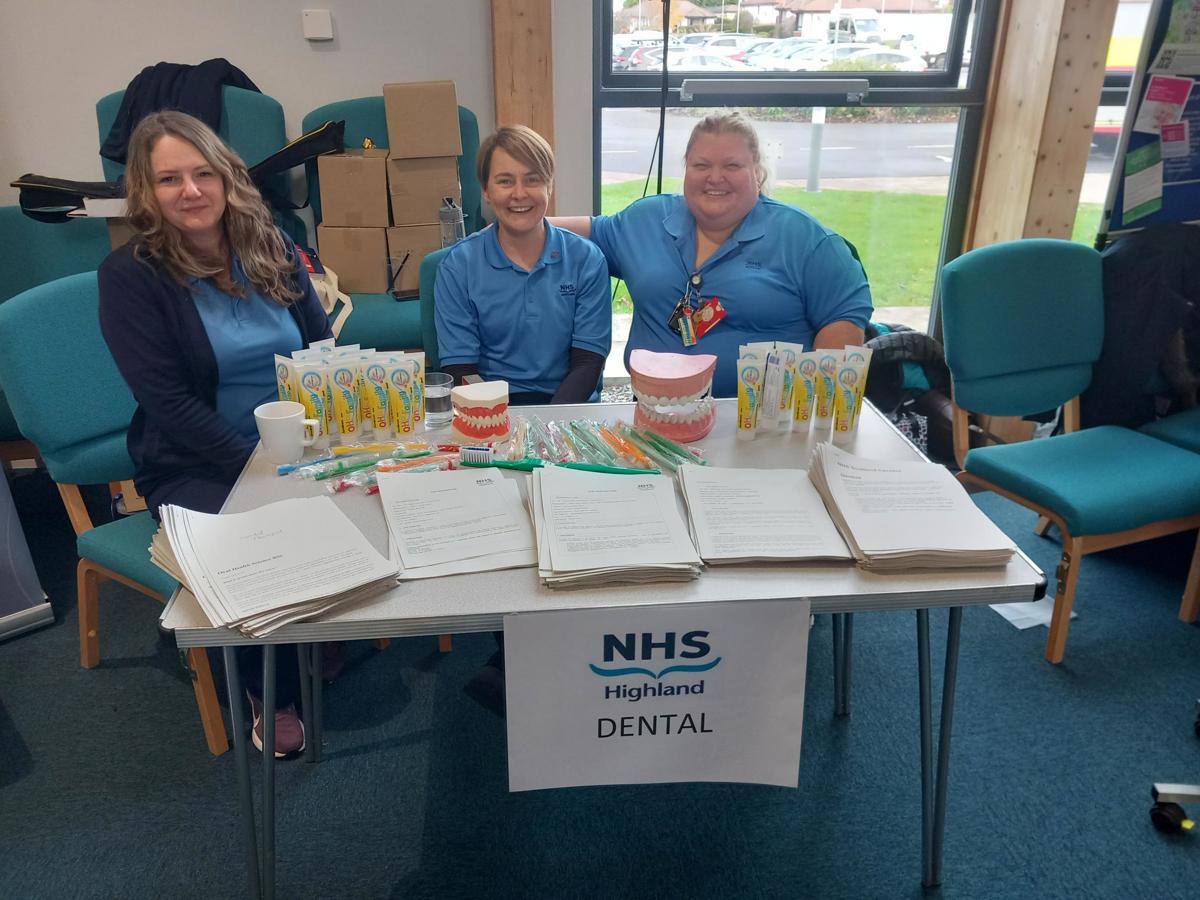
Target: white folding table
x,y
478,602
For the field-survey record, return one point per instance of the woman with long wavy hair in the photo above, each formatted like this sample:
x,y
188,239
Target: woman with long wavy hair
x,y
194,309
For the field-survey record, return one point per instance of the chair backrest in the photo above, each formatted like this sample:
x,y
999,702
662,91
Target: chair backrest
x,y
1022,323
365,118
61,381
429,337
251,123
38,252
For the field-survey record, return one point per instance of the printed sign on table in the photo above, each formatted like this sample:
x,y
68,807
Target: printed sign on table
x,y
639,695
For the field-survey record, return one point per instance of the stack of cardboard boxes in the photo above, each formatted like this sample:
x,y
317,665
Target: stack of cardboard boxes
x,y
379,208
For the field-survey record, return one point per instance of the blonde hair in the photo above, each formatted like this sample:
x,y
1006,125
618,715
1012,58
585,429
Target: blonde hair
x,y
731,123
247,222
523,144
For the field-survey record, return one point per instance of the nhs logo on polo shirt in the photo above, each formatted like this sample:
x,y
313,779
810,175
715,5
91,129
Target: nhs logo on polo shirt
x,y
566,289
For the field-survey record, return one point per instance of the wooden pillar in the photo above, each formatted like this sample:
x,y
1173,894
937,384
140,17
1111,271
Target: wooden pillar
x,y
523,66
1042,99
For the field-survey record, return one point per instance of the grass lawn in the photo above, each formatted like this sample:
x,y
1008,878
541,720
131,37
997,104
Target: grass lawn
x,y
897,235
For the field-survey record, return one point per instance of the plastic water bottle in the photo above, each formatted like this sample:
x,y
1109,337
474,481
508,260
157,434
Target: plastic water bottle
x,y
451,218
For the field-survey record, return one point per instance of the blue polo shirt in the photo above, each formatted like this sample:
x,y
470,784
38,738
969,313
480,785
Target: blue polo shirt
x,y
245,334
781,275
520,326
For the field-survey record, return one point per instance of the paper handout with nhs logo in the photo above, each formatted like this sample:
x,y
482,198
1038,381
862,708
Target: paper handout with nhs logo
x,y
648,694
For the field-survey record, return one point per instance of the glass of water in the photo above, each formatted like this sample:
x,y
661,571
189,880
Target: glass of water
x,y
438,412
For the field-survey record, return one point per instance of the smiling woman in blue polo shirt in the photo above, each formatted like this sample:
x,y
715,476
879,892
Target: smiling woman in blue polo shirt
x,y
777,273
523,301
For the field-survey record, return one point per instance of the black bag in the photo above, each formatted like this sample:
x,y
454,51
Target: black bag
x,y
52,199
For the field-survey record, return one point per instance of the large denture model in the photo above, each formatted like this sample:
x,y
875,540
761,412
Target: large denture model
x,y
672,393
480,412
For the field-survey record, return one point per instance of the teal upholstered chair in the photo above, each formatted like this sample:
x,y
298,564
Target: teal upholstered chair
x,y
429,337
72,403
1181,429
251,123
1023,323
379,320
39,252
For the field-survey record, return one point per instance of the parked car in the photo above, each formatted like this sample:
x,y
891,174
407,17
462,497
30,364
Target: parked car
x,y
761,46
812,58
729,44
887,60
686,60
766,58
695,40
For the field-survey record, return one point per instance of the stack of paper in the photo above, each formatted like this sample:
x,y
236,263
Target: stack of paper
x,y
283,562
448,523
595,528
744,515
901,515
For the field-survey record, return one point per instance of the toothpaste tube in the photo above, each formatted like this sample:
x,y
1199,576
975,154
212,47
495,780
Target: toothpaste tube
x,y
312,379
768,412
286,380
374,397
750,387
863,355
827,363
400,387
416,367
345,375
789,355
806,388
847,394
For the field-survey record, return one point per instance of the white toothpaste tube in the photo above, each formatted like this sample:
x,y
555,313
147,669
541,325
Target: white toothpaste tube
x,y
312,377
863,355
286,380
807,379
827,363
847,393
789,355
373,400
768,413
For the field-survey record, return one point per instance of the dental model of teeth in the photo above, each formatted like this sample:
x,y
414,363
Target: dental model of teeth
x,y
672,393
480,412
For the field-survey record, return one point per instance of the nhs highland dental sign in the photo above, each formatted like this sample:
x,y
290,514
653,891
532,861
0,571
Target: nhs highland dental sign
x,y
634,695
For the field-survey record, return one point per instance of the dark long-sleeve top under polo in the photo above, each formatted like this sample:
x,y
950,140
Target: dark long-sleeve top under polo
x,y
162,350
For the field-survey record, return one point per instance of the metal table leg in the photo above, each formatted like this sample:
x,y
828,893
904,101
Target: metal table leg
x,y
317,685
241,762
934,781
843,632
303,660
268,785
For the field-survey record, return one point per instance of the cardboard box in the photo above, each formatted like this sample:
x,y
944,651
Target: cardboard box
x,y
418,185
422,119
407,246
358,255
354,189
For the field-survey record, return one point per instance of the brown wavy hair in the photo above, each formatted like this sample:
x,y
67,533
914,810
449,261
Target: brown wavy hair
x,y
249,229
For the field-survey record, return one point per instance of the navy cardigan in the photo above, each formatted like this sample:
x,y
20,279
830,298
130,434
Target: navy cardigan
x,y
159,343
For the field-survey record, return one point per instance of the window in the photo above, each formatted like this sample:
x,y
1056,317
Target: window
x,y
869,121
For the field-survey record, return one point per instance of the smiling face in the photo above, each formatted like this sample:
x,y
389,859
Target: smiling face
x,y
189,191
720,183
517,194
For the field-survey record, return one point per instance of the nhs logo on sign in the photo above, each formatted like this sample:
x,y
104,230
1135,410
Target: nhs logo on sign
x,y
655,655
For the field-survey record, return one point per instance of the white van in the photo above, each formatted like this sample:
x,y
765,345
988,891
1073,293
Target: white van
x,y
855,26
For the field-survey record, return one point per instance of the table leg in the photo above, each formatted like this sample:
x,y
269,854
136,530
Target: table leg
x,y
843,633
317,689
241,762
303,660
934,781
268,785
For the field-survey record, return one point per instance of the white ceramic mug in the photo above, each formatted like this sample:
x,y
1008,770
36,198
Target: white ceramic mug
x,y
284,430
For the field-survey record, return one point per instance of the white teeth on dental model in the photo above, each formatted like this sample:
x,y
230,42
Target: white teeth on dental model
x,y
694,412
673,401
480,422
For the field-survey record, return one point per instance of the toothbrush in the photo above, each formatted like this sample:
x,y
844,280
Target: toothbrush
x,y
611,470
483,457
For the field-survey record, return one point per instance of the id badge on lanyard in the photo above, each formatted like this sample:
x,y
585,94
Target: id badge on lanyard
x,y
693,317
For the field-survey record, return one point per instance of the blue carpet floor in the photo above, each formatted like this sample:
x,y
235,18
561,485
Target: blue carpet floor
x,y
106,789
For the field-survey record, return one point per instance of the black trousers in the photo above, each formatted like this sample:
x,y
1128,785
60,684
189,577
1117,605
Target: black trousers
x,y
208,495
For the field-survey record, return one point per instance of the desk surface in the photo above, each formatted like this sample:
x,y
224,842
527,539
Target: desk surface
x,y
478,602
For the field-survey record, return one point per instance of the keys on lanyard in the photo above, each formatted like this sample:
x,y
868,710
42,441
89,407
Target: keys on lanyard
x,y
691,319
680,320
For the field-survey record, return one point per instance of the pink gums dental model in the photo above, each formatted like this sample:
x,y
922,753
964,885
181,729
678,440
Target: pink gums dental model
x,y
480,412
672,391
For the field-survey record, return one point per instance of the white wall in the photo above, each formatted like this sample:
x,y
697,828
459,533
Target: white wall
x,y
47,112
